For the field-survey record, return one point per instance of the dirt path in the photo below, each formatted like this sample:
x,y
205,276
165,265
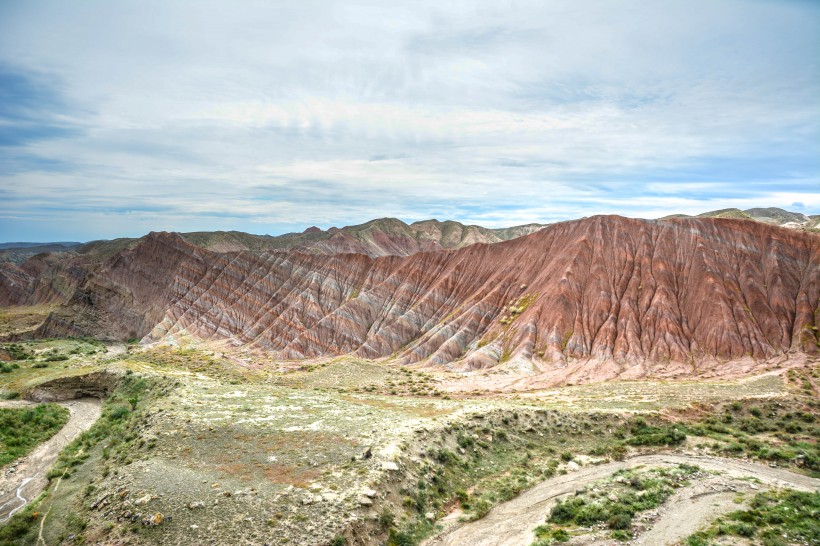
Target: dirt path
x,y
512,523
24,479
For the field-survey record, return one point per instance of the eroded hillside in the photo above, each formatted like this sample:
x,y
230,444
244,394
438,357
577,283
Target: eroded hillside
x,y
632,297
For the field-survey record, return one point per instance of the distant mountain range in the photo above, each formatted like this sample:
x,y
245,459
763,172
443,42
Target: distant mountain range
x,y
60,245
771,215
381,237
578,301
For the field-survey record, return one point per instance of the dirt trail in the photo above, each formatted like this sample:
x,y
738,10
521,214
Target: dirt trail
x,y
24,479
512,523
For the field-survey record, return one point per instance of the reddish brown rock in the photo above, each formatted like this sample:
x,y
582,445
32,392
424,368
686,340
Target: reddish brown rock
x,y
605,289
44,278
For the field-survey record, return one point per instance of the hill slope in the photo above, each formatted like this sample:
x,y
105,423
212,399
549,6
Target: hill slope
x,y
610,290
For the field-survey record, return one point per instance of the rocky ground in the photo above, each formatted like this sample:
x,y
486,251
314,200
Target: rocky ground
x,y
216,447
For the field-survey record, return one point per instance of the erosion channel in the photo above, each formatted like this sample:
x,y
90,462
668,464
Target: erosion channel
x,y
26,478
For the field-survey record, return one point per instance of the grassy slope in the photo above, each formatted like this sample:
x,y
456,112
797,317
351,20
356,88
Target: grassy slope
x,y
22,429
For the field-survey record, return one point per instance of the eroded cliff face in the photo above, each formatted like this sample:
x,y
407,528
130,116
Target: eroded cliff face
x,y
605,288
127,295
42,279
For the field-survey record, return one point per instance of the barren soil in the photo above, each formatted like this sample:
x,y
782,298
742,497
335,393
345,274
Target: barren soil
x,y
23,480
512,523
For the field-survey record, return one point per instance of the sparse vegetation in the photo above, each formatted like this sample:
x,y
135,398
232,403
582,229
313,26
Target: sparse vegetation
x,y
319,428
782,431
24,428
20,525
617,500
547,535
776,518
116,427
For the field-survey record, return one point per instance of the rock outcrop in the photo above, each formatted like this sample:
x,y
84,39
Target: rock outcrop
x,y
606,289
95,384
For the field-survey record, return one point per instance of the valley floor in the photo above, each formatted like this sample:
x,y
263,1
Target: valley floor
x,y
201,445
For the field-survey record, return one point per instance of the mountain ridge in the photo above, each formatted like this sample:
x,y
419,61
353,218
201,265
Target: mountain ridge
x,y
621,296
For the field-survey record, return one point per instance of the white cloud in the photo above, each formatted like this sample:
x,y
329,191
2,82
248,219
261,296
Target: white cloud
x,y
274,116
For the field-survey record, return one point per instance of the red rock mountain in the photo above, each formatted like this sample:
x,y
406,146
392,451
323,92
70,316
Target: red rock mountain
x,y
602,289
49,273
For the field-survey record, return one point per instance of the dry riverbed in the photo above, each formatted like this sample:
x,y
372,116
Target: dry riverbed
x,y
25,478
513,523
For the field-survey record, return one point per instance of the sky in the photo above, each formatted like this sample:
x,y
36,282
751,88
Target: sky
x,y
120,118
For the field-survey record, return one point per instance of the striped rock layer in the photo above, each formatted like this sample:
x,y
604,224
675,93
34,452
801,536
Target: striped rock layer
x,y
603,288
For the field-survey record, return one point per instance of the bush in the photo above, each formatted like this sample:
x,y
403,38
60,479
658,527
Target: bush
x,y
619,521
464,440
18,526
646,435
547,535
22,429
566,511
386,518
56,358
398,538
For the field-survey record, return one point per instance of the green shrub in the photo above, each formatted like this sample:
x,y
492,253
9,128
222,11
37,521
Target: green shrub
x,y
620,520
547,535
13,530
465,440
386,518
21,429
398,538
621,534
646,435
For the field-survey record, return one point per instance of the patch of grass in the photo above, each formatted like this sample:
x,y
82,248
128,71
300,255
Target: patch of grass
x,y
615,501
779,430
18,352
546,535
644,434
774,518
194,361
21,525
22,429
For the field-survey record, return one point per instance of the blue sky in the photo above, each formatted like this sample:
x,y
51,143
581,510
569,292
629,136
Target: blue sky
x,y
119,118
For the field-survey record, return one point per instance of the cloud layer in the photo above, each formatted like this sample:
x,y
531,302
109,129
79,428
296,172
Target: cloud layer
x,y
117,118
